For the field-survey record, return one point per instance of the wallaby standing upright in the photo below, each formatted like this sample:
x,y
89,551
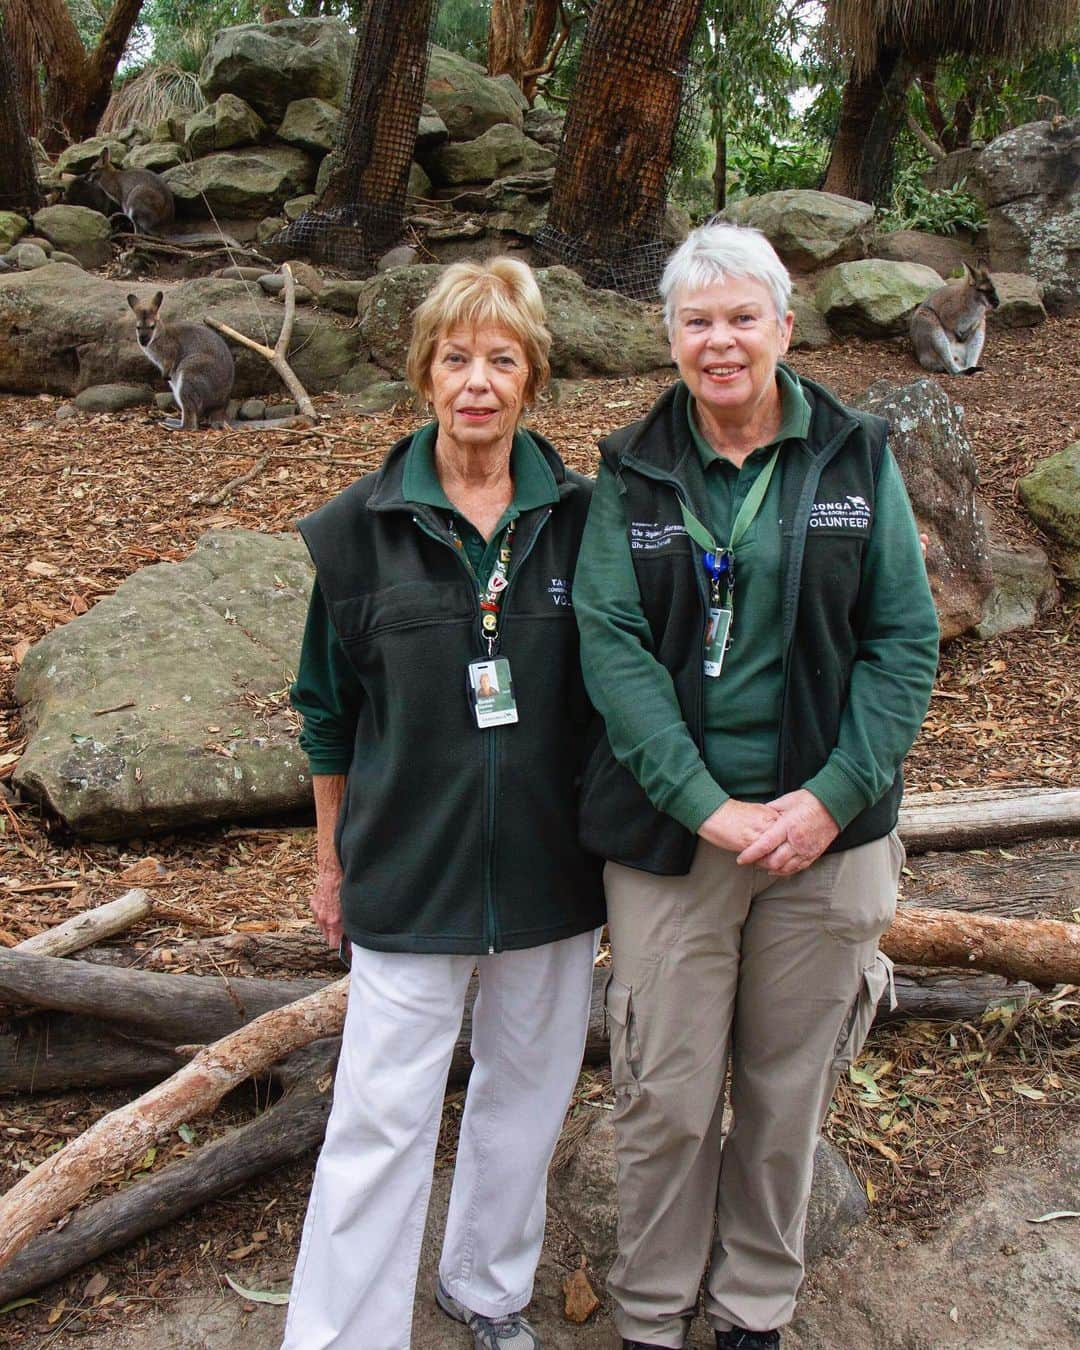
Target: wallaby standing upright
x,y
193,358
142,195
949,327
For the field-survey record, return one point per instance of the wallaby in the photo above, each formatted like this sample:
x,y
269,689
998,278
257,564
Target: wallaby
x,y
142,195
193,358
949,327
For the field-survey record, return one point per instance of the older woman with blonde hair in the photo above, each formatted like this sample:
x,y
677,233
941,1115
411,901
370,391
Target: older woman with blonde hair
x,y
444,713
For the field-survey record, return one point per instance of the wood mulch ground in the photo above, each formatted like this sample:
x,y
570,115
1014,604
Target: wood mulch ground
x,y
88,501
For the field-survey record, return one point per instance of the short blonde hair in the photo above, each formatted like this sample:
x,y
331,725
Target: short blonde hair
x,y
500,293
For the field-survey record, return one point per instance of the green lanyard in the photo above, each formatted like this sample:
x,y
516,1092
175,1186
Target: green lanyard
x,y
719,562
491,597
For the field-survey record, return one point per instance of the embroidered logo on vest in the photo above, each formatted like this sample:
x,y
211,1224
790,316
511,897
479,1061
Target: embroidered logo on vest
x,y
648,536
851,514
559,590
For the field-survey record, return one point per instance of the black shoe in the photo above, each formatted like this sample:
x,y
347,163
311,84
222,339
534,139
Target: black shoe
x,y
738,1339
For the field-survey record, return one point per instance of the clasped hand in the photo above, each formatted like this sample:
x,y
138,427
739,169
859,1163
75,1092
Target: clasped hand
x,y
783,836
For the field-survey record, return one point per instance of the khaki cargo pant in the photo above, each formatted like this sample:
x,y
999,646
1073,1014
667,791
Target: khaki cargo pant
x,y
783,975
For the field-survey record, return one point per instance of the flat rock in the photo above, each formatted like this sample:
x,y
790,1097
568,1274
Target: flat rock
x,y
501,150
1051,497
1021,302
927,436
595,332
249,183
222,125
466,98
874,297
310,123
269,65
113,397
85,234
156,156
202,740
807,229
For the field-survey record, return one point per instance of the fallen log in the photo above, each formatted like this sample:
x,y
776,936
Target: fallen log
x,y
92,925
973,818
1044,951
1044,885
122,1137
285,1131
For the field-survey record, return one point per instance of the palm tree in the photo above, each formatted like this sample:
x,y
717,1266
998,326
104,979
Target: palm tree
x,y
888,40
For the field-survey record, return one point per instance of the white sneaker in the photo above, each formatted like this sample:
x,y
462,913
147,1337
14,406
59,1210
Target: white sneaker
x,y
511,1332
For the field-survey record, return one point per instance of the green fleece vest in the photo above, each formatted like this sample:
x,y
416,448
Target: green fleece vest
x,y
454,839
827,507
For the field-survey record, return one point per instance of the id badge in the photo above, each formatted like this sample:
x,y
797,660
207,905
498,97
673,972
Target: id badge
x,y
491,692
716,636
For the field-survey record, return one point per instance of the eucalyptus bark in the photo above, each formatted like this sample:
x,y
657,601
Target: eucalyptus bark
x,y
506,39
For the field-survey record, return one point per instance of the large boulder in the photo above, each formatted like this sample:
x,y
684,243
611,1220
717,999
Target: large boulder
x,y
250,183
807,229
944,253
583,1197
85,234
466,98
270,64
927,436
192,740
874,297
222,125
501,150
82,156
595,332
1030,180
310,123
1051,496
62,330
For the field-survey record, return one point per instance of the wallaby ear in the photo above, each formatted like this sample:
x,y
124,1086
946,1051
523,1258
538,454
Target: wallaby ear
x,y
158,297
133,300
982,266
968,271
104,161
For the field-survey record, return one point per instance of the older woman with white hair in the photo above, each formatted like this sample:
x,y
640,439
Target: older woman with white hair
x,y
759,636
444,719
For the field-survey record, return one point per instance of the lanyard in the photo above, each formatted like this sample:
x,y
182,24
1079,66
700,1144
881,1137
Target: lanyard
x,y
719,562
491,598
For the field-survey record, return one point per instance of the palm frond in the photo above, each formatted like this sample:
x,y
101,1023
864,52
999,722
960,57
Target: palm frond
x,y
156,92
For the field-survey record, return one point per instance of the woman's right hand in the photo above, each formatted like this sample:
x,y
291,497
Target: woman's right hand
x,y
735,825
325,902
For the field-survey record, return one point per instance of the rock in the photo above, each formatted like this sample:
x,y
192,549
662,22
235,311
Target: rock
x,y
225,123
595,332
466,99
252,410
165,401
39,241
273,283
874,297
276,411
807,229
1051,497
431,131
66,412
419,183
326,168
156,156
58,255
944,253
582,1195
296,207
544,126
1021,304
251,183
12,228
1030,180
500,150
1024,586
107,398
190,750
955,170
270,65
310,123
239,273
379,396
306,275
77,330
810,329
676,224
87,235
169,129
926,434
268,227
28,257
341,294
81,157
402,256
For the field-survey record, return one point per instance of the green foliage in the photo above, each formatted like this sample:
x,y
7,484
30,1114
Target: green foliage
x,y
772,166
462,26
914,206
183,29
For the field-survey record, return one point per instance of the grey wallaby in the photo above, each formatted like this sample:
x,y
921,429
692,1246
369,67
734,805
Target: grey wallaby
x,y
949,327
194,359
142,195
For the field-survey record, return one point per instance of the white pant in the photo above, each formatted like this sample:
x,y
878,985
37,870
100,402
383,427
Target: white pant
x,y
356,1272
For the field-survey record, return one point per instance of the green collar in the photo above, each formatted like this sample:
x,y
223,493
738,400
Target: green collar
x,y
794,416
534,483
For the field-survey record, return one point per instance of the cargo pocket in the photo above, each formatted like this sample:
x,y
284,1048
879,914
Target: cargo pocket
x,y
622,1039
875,979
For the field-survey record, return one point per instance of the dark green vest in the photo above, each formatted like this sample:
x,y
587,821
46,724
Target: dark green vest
x,y
827,505
454,839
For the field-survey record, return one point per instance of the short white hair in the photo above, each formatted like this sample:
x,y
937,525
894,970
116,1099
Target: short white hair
x,y
715,251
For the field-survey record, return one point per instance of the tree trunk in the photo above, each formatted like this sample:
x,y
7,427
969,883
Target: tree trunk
x,y
1043,951
612,172
974,818
719,177
506,39
18,173
858,139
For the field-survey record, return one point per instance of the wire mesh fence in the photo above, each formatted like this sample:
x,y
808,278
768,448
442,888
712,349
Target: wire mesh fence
x,y
19,190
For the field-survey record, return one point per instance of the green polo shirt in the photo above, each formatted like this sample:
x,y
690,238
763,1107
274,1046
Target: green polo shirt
x,y
325,692
742,704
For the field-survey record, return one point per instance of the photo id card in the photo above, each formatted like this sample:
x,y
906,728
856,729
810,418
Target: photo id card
x,y
491,692
716,637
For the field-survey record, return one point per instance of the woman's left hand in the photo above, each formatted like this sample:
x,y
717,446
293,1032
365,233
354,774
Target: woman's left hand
x,y
801,835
